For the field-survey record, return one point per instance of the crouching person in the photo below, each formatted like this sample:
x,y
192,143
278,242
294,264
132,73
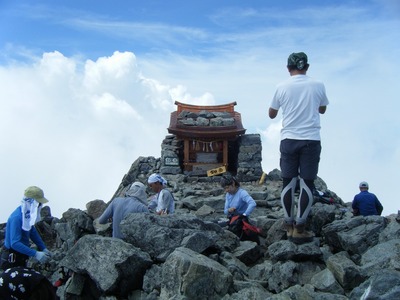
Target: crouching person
x,y
238,207
20,230
163,201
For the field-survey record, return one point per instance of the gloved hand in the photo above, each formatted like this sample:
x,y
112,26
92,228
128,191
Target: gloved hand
x,y
48,252
42,257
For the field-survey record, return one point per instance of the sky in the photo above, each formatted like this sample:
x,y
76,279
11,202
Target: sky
x,y
87,87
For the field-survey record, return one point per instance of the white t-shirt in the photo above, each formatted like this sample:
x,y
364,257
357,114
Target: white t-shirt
x,y
300,98
165,202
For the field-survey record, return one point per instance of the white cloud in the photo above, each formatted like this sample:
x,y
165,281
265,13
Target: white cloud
x,y
75,131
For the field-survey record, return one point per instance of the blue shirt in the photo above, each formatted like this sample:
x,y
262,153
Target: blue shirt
x,y
19,239
241,201
367,204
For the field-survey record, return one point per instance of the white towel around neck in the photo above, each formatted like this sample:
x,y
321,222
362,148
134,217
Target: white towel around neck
x,y
30,210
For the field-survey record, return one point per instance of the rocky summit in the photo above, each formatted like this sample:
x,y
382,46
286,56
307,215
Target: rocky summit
x,y
189,256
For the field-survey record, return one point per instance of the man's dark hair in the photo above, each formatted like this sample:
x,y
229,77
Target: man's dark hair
x,y
228,179
298,61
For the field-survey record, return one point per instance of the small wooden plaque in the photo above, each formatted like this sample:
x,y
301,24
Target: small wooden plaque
x,y
216,171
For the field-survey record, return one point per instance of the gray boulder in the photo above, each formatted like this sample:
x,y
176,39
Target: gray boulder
x,y
161,235
384,285
354,235
193,276
112,264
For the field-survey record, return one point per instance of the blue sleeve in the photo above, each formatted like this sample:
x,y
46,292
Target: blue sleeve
x,y
143,208
16,240
251,204
354,204
37,239
378,206
153,203
106,214
226,205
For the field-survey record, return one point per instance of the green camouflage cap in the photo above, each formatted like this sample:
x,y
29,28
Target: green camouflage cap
x,y
298,60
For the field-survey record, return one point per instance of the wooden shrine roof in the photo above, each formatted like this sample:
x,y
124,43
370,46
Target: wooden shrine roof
x,y
182,130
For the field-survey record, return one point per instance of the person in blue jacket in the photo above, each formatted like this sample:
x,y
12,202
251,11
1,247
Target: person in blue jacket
x,y
237,200
20,230
366,203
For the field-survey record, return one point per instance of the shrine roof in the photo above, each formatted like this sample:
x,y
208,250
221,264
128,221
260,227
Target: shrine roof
x,y
213,121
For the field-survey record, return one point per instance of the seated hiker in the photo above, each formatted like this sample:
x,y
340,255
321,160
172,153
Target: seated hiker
x,y
237,200
25,283
133,202
163,198
238,204
21,230
366,203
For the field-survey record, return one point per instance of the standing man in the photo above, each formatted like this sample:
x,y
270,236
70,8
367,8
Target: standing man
x,y
366,203
20,230
302,99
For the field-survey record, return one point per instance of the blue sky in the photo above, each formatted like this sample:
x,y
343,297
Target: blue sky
x,y
88,86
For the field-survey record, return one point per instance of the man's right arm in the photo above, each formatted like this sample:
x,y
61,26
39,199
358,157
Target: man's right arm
x,y
322,109
106,215
272,113
378,206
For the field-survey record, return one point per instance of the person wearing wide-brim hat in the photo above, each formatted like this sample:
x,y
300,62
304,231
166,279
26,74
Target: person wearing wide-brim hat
x,y
20,230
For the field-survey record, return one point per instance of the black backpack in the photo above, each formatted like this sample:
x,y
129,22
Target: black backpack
x,y
242,228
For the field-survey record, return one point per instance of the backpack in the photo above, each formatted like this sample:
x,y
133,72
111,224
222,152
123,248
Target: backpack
x,y
241,227
323,197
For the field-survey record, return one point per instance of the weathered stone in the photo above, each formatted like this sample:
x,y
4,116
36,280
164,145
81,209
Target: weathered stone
x,y
95,208
346,272
383,285
383,256
324,281
355,235
237,268
115,266
248,252
161,235
194,276
286,250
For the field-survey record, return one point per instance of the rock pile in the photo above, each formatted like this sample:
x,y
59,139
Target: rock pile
x,y
189,256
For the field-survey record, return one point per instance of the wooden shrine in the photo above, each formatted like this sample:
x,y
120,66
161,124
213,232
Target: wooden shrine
x,y
205,131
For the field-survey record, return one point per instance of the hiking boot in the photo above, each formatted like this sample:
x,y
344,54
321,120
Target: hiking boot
x,y
301,236
289,231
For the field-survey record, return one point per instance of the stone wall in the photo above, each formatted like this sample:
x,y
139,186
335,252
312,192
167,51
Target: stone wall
x,y
249,158
244,157
171,155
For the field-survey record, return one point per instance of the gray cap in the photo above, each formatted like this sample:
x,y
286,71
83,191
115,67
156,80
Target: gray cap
x,y
363,184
